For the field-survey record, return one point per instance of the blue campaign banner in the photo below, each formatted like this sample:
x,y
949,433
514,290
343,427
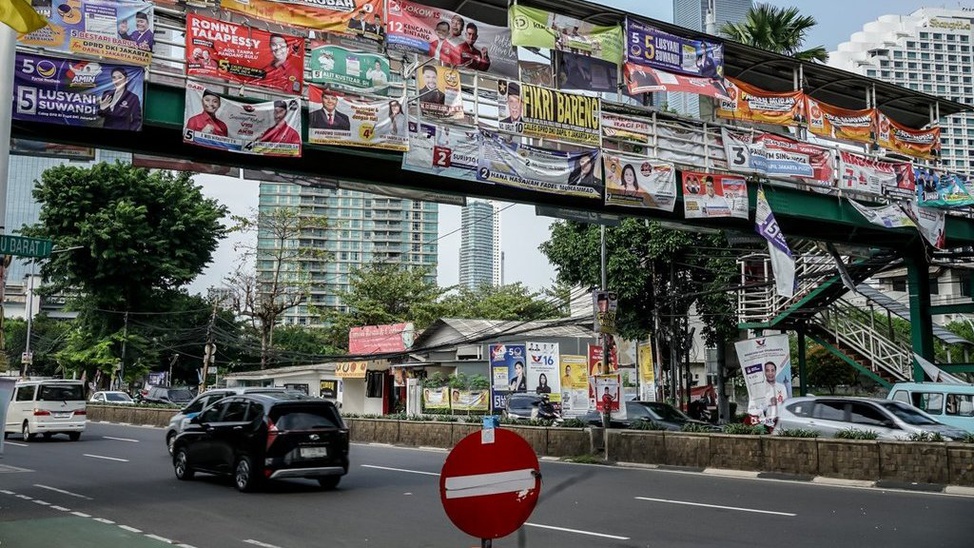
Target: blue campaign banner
x,y
77,93
940,188
508,373
651,47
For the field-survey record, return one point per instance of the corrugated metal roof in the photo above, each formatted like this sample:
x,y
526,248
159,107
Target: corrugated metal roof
x,y
473,330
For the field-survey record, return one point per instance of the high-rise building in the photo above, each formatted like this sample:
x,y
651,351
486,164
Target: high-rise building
x,y
480,243
362,229
929,50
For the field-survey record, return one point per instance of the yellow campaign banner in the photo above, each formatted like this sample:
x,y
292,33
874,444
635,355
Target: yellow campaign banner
x,y
753,104
919,143
833,122
534,111
647,375
359,17
436,398
469,400
351,370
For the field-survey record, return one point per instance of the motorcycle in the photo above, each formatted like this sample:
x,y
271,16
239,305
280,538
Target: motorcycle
x,y
545,410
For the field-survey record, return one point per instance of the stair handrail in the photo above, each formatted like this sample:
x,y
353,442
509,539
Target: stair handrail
x,y
840,320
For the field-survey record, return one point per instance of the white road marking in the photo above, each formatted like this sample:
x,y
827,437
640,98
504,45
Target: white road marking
x,y
686,503
261,544
41,502
129,529
160,539
62,491
25,497
578,531
15,444
104,520
81,514
106,458
120,439
6,492
478,485
400,470
61,508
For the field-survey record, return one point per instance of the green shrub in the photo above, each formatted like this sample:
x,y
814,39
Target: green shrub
x,y
419,418
584,459
968,438
646,425
479,382
692,427
927,436
741,429
446,418
856,434
573,423
799,433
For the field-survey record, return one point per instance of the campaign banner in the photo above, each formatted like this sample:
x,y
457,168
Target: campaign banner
x,y
469,400
269,128
534,111
539,74
919,143
25,147
776,156
543,367
450,38
436,398
351,120
344,69
379,339
766,364
574,385
438,92
532,27
886,216
939,188
506,363
635,130
114,30
832,122
870,176
439,149
710,195
658,49
550,171
931,223
641,79
753,104
647,372
782,261
242,54
605,305
77,93
359,17
639,182
607,392
588,73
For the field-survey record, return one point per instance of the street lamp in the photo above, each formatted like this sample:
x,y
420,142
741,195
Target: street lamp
x,y
28,358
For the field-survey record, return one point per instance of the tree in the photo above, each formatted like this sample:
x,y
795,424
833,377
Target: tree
x,y
827,370
778,29
507,302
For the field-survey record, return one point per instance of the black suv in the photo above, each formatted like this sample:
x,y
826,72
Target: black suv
x,y
168,395
257,437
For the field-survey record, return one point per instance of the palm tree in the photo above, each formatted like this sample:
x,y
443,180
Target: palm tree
x,y
781,30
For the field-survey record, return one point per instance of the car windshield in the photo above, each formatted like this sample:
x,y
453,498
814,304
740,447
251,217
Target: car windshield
x,y
180,395
61,392
666,413
117,396
908,414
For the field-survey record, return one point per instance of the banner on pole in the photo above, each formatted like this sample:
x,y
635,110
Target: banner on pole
x,y
766,364
782,261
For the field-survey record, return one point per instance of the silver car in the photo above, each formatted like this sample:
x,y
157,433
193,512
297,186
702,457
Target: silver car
x,y
891,420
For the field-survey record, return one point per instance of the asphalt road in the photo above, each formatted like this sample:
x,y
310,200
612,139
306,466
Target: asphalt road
x,y
116,487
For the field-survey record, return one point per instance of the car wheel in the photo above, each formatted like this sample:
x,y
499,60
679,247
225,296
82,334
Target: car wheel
x,y
244,475
28,436
170,440
329,482
74,436
180,465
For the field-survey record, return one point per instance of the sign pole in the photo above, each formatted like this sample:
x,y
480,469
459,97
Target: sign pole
x,y
8,58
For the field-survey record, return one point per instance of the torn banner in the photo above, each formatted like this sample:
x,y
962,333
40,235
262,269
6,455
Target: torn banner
x,y
782,261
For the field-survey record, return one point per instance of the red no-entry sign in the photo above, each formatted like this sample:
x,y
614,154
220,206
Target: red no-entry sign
x,y
489,489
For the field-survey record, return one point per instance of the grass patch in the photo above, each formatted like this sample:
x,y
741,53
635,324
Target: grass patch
x,y
799,433
856,434
927,436
742,429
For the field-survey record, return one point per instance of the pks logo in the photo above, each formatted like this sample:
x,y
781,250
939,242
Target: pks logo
x,y
83,74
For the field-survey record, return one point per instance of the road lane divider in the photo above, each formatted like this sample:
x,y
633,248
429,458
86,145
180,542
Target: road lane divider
x,y
422,472
718,506
576,531
116,459
120,439
62,491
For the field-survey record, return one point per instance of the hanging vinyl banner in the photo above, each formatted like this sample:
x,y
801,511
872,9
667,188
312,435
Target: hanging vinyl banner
x,y
639,182
752,104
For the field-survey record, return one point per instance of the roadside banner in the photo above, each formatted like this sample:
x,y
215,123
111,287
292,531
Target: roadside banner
x,y
359,17
438,92
242,54
886,216
269,128
436,398
753,104
919,143
539,169
826,120
777,156
534,111
939,188
532,27
349,70
930,222
113,30
351,370
639,182
782,261
624,128
506,363
607,392
605,305
26,147
711,195
875,177
469,400
418,28
77,93
364,122
766,364
379,339
444,150
652,47
647,372
643,79
542,369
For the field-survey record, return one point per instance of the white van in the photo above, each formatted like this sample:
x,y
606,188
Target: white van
x,y
951,404
48,407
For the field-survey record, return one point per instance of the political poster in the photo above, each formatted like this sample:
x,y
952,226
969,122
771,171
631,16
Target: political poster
x,y
381,339
450,38
833,122
931,223
766,364
440,149
642,79
539,74
41,149
607,392
543,170
752,104
469,400
586,73
344,69
867,175
639,182
268,128
624,128
782,260
533,27
777,156
919,143
652,47
574,385
77,93
438,92
359,17
647,372
436,398
939,188
605,305
543,367
711,195
242,54
352,120
886,216
113,30
507,372
534,111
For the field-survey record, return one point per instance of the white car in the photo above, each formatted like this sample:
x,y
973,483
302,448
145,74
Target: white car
x,y
889,419
111,397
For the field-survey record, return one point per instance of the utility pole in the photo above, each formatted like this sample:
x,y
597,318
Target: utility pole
x,y
121,364
209,352
604,340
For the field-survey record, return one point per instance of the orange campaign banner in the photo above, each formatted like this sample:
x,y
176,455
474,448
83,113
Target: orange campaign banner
x,y
826,120
358,17
753,104
919,143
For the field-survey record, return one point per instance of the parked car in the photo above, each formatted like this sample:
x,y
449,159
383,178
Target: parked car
x,y
204,400
257,437
47,407
525,406
951,404
890,419
664,414
112,397
168,395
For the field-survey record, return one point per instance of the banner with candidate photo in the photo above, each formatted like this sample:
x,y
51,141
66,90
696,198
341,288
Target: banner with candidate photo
x,y
507,372
868,175
782,260
655,48
886,216
826,120
711,195
77,93
469,400
776,156
574,385
268,128
752,104
587,73
534,111
930,221
642,79
606,390
543,170
919,143
436,398
114,30
543,367
639,182
440,149
533,27
359,17
766,364
349,70
939,188
438,92
352,120
242,54
450,38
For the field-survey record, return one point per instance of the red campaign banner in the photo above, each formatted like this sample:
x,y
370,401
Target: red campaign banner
x,y
919,143
871,176
378,339
237,53
840,123
641,79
